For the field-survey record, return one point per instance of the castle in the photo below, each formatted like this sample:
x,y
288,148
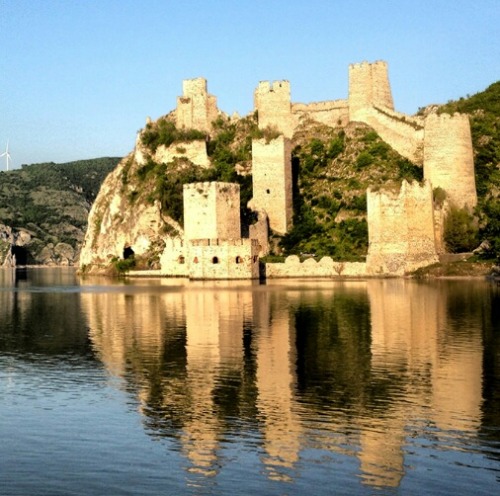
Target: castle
x,y
405,228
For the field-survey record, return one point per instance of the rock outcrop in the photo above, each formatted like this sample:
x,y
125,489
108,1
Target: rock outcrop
x,y
123,222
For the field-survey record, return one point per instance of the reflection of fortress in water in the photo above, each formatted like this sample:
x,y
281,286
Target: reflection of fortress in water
x,y
320,367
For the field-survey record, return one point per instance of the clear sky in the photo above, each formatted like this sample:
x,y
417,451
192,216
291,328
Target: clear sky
x,y
79,77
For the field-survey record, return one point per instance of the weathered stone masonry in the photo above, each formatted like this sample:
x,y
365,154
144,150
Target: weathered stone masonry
x,y
196,109
212,247
401,229
272,181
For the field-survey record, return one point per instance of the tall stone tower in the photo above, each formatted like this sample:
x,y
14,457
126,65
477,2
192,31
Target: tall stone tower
x,y
369,87
448,157
272,181
211,211
401,229
273,104
196,109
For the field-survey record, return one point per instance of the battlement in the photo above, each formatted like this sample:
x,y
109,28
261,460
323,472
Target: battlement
x,y
196,86
282,87
364,65
208,187
224,242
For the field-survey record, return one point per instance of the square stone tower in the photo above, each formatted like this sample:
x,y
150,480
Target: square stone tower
x,y
368,87
196,109
211,211
273,104
272,181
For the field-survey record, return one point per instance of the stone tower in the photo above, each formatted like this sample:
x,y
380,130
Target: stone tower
x,y
196,109
272,181
273,104
369,87
211,211
401,229
448,157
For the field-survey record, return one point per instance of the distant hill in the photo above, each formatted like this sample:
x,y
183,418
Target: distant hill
x,y
46,205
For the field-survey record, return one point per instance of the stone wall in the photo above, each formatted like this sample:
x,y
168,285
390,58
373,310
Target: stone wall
x,y
272,181
273,104
211,210
402,132
448,157
196,109
310,268
333,113
223,259
195,151
173,261
400,230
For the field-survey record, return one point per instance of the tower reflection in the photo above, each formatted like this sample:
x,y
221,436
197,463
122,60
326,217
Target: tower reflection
x,y
341,367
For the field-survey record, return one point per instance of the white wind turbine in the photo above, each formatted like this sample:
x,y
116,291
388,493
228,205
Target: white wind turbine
x,y
6,154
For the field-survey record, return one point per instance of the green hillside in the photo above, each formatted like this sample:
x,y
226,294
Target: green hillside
x,y
51,202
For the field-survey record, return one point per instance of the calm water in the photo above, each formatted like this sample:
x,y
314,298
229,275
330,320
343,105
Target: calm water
x,y
167,387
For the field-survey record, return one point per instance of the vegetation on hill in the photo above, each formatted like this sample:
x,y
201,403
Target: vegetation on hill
x,y
484,113
332,169
52,201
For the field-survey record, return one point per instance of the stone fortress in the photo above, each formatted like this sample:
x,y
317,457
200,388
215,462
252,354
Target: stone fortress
x,y
405,227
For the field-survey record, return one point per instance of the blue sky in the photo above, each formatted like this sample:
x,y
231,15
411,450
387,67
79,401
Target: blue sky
x,y
79,77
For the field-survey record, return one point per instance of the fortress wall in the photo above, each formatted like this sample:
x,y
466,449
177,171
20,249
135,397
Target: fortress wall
x,y
400,230
419,208
272,181
310,268
223,259
448,157
211,210
173,259
273,104
196,109
333,113
403,133
194,151
370,101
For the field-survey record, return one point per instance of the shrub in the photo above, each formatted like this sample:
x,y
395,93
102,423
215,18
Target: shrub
x,y
336,147
439,196
364,159
460,231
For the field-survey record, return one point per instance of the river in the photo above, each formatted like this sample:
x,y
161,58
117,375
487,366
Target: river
x,y
165,386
